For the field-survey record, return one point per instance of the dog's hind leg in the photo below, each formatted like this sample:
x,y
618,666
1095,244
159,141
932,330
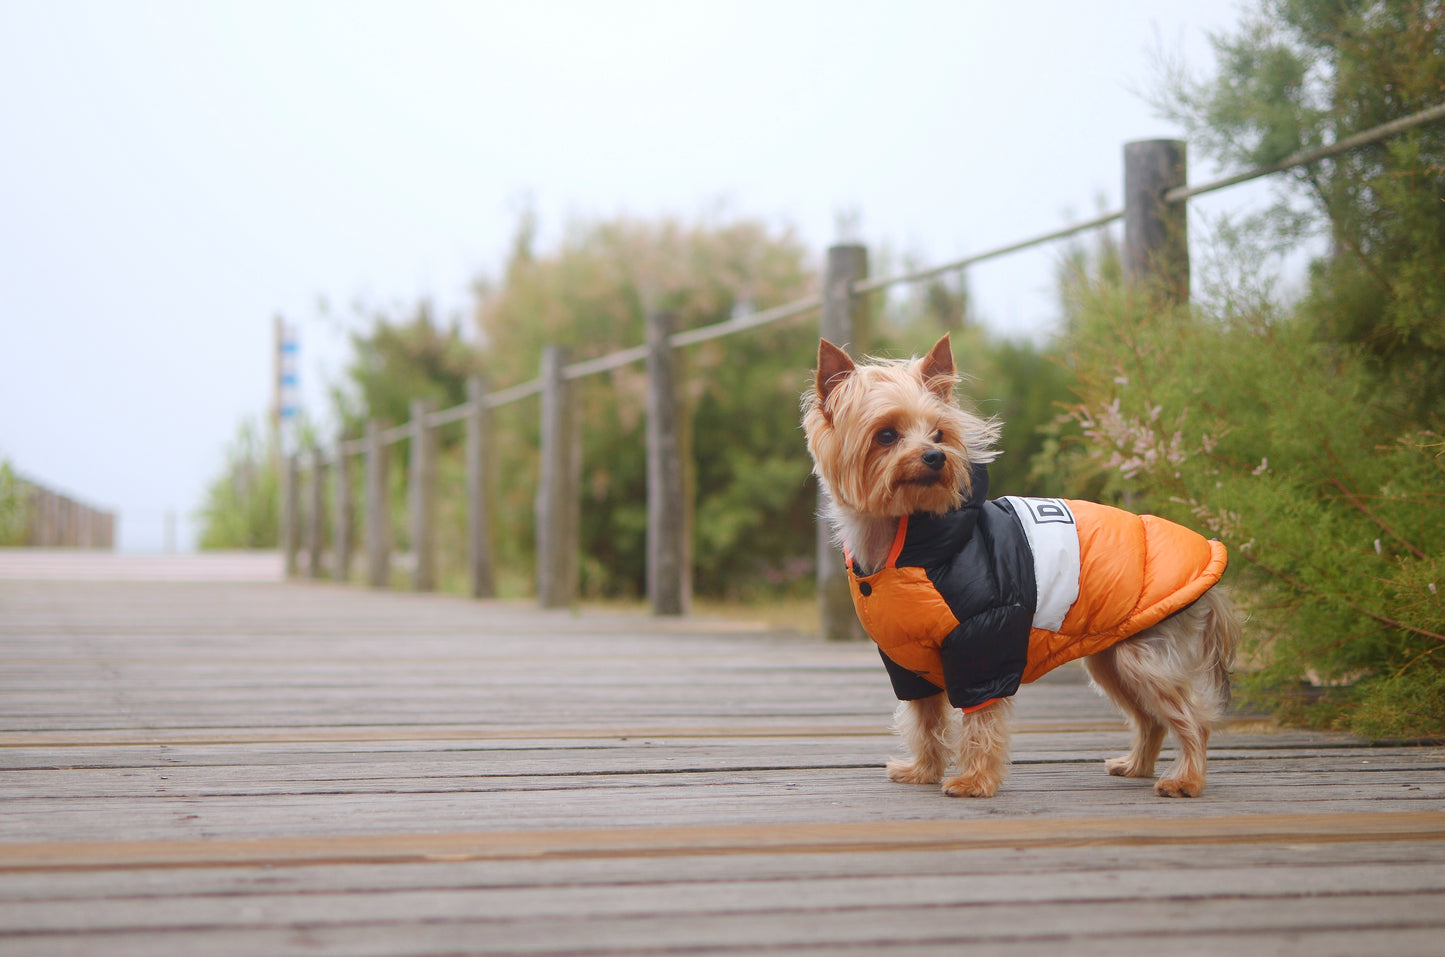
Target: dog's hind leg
x,y
928,729
1194,651
1149,731
1158,670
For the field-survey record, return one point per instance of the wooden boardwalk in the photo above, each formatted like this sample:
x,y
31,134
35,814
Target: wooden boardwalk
x,y
251,767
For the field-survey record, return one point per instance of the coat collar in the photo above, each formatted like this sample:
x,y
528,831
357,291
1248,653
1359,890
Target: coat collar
x,y
925,540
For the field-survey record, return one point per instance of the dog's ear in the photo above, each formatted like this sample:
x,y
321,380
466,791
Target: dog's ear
x,y
937,370
833,367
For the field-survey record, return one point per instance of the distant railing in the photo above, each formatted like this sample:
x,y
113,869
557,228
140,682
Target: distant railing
x,y
50,519
1155,253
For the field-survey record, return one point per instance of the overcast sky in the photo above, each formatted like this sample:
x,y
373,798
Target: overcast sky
x,y
173,175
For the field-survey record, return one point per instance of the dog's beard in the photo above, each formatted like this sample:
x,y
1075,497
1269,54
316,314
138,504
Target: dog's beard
x,y
904,486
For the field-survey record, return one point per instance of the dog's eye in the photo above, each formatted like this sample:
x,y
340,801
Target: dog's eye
x,y
886,436
938,436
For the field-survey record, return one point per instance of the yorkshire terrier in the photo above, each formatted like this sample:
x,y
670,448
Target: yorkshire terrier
x,y
967,598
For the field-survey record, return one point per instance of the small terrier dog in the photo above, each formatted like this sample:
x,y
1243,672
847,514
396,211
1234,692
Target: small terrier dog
x,y
967,598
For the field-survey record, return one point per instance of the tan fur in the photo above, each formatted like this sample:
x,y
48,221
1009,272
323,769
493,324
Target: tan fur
x,y
1172,677
869,428
868,483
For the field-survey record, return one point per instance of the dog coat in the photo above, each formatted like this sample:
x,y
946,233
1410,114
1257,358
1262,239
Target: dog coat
x,y
994,594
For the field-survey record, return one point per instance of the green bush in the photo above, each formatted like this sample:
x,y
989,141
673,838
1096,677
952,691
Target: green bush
x,y
1295,452
242,508
13,520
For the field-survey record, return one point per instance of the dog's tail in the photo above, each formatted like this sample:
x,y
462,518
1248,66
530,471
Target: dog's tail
x,y
1221,642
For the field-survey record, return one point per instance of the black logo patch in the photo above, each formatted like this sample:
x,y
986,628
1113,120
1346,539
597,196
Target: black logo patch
x,y
1049,511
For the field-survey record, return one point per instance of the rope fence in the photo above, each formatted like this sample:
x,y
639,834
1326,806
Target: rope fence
x,y
1155,251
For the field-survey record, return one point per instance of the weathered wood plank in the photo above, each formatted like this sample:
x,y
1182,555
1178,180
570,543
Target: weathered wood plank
x,y
719,896
521,767
785,838
1255,866
1205,924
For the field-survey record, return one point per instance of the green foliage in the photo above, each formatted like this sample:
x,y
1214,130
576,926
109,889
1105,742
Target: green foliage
x,y
399,360
1307,436
13,519
1279,443
1304,73
752,493
753,497
1294,452
242,507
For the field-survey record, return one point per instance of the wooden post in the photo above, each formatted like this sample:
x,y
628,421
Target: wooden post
x,y
422,497
843,324
668,578
1156,234
557,495
67,521
378,514
316,515
479,529
342,525
290,509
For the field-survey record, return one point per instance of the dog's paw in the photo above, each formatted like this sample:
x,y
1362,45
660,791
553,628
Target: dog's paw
x,y
974,786
1125,766
1178,788
913,772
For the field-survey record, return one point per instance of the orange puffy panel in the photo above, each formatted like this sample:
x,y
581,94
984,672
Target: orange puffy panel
x,y
1134,571
906,616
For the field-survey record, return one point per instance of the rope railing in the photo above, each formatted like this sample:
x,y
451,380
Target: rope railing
x,y
753,320
1313,155
1155,251
932,272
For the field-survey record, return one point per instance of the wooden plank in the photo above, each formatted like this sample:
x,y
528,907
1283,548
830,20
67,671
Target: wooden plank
x,y
522,901
788,838
1208,925
1254,866
223,770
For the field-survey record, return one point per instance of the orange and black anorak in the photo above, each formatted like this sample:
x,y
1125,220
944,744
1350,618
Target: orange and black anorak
x,y
995,594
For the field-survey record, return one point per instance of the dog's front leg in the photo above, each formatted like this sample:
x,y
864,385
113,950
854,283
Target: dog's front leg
x,y
927,728
983,751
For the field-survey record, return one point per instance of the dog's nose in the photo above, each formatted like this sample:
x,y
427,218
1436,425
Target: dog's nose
x,y
934,459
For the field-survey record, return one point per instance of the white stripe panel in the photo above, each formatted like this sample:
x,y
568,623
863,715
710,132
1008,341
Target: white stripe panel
x,y
1054,539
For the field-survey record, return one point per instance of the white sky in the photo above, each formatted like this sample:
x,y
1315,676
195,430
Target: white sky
x,y
175,174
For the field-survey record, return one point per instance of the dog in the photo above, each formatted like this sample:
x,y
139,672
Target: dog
x,y
967,598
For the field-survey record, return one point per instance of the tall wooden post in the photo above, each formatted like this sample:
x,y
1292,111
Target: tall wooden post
x,y
668,575
479,528
290,509
316,515
422,497
341,543
1156,234
557,494
378,515
843,324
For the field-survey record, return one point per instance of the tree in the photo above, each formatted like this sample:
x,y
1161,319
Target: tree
x,y
400,359
1306,435
242,508
1304,73
13,519
752,517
